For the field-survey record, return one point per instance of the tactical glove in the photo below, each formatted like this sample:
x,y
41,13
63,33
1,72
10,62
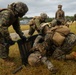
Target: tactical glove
x,y
11,42
23,38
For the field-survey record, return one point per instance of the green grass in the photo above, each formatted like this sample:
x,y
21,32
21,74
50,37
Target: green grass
x,y
65,67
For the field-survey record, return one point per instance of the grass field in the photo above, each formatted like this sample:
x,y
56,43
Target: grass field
x,y
23,27
67,67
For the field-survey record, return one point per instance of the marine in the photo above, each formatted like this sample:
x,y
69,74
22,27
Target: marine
x,y
63,41
10,16
59,41
60,14
36,22
38,52
65,52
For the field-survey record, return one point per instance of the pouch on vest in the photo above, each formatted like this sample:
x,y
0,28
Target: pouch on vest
x,y
64,30
58,39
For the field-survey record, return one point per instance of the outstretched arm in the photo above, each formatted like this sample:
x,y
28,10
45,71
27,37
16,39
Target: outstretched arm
x,y
38,38
16,26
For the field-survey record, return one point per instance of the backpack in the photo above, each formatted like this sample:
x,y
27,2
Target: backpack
x,y
59,35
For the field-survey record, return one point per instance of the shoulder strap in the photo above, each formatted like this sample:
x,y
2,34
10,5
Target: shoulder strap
x,y
3,9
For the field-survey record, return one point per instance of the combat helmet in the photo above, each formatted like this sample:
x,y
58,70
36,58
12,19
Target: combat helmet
x,y
34,58
19,8
59,6
43,15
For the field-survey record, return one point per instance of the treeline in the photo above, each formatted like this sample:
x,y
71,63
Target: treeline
x,y
69,18
26,18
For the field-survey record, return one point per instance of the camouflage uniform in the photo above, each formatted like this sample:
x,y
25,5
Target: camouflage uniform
x,y
66,48
60,15
39,50
39,39
36,58
47,47
43,48
36,22
43,42
62,51
9,17
43,30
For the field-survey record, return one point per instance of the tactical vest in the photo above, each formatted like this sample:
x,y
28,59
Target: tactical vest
x,y
58,34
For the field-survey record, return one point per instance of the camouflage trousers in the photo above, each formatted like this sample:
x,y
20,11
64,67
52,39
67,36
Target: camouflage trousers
x,y
46,62
4,49
66,48
37,58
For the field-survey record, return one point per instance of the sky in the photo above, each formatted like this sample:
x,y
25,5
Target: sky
x,y
44,6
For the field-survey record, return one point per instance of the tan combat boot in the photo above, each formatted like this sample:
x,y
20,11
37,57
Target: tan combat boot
x,y
53,70
71,56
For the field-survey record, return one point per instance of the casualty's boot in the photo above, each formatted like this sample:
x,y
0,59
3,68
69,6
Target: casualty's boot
x,y
53,70
49,65
71,56
34,58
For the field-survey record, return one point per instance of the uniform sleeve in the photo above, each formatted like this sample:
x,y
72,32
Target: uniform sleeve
x,y
16,26
46,62
37,40
5,21
31,22
32,27
37,23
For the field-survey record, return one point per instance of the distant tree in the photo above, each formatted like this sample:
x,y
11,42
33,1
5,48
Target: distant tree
x,y
70,18
23,18
49,19
74,17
